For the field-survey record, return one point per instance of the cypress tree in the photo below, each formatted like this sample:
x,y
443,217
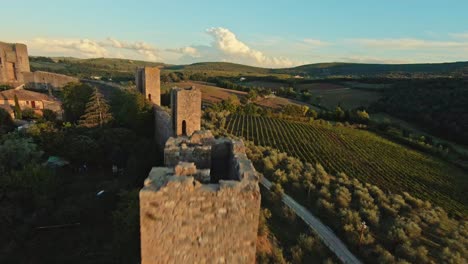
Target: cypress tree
x,y
97,111
17,109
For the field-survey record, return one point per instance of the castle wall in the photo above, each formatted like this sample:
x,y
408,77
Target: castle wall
x,y
189,222
163,126
46,80
186,219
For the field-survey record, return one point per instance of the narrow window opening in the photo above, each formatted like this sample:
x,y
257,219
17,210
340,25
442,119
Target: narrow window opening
x,y
184,128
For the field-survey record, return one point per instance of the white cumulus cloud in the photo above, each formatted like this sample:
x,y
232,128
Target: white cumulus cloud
x,y
87,48
149,51
231,48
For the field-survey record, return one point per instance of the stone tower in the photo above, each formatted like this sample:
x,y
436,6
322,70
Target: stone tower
x,y
14,61
186,110
203,206
148,83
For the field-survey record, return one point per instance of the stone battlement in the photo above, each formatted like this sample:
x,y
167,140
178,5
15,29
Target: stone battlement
x,y
203,207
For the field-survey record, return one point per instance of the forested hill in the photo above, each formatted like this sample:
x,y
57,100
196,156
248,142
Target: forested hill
x,y
74,66
384,70
320,70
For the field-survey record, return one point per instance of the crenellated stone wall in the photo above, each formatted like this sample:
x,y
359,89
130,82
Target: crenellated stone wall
x,y
186,216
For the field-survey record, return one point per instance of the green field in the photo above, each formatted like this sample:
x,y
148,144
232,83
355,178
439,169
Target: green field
x,y
360,154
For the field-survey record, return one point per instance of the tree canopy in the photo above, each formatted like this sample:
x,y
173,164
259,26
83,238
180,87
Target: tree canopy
x,y
97,111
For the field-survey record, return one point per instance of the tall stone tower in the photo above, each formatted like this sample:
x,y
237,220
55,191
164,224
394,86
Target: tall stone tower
x,y
14,61
148,83
186,110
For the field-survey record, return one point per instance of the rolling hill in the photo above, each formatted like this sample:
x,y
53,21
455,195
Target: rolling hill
x,y
318,70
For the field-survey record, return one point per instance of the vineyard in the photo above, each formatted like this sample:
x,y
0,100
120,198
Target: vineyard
x,y
362,155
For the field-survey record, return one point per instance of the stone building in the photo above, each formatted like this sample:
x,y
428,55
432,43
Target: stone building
x,y
15,70
147,80
203,207
14,61
186,110
29,100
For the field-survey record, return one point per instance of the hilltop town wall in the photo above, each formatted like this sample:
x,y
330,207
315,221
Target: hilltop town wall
x,y
46,80
163,126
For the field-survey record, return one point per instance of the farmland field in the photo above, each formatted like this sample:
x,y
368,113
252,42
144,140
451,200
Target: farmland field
x,y
331,94
360,154
212,94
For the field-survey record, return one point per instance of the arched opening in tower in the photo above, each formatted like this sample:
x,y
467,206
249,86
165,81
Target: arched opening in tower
x,y
184,128
149,97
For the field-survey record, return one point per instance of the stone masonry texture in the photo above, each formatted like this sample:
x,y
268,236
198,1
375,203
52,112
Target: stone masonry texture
x,y
186,110
185,219
15,70
45,80
14,61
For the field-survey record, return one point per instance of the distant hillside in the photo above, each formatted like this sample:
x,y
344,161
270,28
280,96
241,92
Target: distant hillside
x,y
221,66
108,67
321,70
384,70
113,67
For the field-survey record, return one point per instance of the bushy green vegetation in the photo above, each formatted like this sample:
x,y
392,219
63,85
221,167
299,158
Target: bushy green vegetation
x,y
397,228
362,155
46,208
115,69
353,70
6,122
290,239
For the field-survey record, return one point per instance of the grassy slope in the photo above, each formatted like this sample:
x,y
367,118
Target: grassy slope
x,y
363,155
232,69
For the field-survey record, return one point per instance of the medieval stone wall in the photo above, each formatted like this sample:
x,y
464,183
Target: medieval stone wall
x,y
46,80
196,149
188,222
163,126
186,218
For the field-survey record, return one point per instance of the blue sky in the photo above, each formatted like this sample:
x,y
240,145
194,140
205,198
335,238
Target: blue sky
x,y
264,33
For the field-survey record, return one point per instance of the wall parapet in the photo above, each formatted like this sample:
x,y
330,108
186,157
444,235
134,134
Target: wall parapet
x,y
199,215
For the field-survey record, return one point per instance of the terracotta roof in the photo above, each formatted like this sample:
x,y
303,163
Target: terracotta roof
x,y
24,95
